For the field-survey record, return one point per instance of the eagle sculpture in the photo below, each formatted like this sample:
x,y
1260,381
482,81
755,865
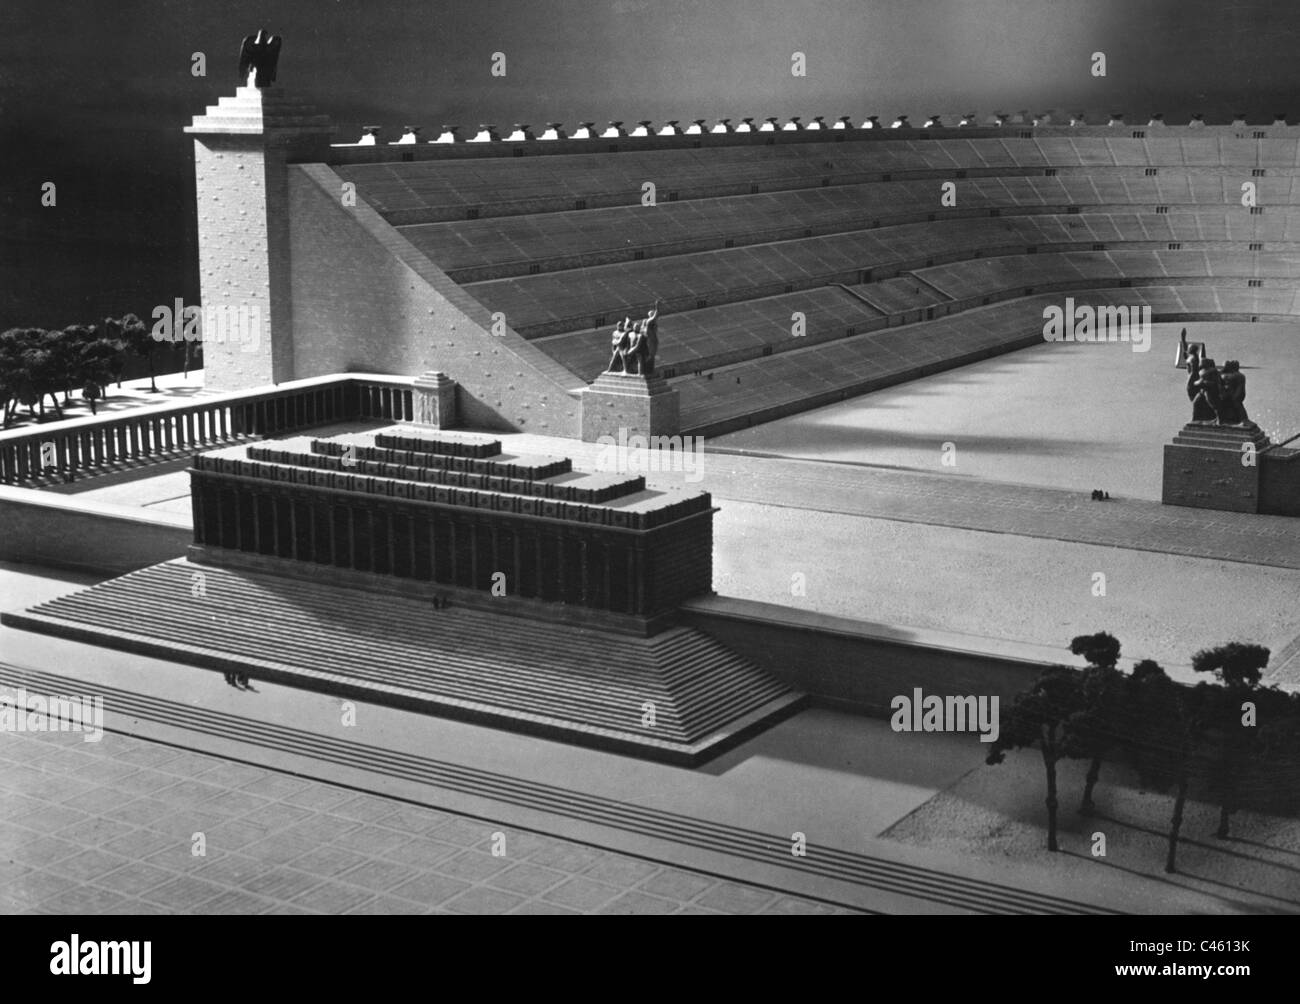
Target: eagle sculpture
x,y
257,59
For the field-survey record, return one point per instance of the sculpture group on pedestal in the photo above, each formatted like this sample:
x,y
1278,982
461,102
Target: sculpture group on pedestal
x,y
635,345
1217,396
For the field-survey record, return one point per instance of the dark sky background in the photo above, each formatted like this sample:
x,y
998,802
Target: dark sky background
x,y
94,93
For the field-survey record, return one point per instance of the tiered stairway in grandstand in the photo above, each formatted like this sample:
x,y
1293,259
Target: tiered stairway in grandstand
x,y
854,237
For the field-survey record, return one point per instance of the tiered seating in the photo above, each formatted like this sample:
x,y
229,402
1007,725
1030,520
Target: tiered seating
x,y
763,389
470,251
430,191
551,303
718,336
901,295
987,276
852,236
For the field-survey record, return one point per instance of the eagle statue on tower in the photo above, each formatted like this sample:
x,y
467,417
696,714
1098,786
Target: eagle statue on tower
x,y
258,56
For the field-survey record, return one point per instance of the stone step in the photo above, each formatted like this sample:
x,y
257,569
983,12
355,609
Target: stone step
x,y
454,445
577,684
531,468
686,654
1228,437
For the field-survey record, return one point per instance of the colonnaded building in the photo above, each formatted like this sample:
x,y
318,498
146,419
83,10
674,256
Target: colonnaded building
x,y
667,685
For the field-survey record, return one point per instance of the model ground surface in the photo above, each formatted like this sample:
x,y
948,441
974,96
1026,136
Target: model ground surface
x,y
1068,415
840,779
1004,546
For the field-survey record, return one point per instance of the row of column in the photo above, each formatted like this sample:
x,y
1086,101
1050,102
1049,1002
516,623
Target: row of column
x,y
584,566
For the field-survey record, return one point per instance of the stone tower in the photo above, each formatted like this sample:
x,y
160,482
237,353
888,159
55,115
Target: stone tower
x,y
241,148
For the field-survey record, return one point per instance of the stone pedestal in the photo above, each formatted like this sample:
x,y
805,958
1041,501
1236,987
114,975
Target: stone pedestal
x,y
433,401
242,146
1211,467
642,405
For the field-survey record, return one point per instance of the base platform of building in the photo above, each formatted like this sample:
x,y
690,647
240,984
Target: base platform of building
x,y
678,696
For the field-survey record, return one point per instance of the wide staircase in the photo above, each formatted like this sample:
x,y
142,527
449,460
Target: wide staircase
x,y
678,696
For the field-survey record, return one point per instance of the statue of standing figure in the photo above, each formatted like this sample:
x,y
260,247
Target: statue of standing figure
x,y
620,343
1233,411
1217,396
635,345
1205,391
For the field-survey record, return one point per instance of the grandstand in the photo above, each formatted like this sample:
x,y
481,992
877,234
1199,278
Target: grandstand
x,y
793,268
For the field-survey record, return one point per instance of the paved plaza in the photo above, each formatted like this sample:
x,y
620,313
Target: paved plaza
x,y
110,828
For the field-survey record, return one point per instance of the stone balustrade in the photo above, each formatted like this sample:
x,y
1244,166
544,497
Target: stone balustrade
x,y
96,444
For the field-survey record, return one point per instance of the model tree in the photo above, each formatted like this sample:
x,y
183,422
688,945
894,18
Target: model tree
x,y
40,367
1093,733
1279,744
137,337
12,376
1038,718
1175,720
1238,668
97,357
110,330
62,345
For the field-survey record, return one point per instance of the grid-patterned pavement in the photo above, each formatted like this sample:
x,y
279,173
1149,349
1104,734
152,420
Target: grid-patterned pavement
x,y
111,827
